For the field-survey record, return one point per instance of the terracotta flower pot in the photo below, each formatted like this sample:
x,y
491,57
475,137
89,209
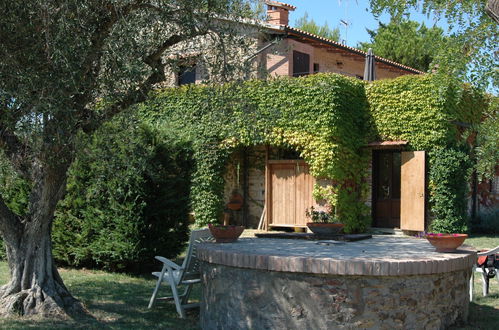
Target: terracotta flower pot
x,y
446,242
225,234
325,228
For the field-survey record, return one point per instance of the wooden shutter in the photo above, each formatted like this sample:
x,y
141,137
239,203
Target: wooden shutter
x,y
413,191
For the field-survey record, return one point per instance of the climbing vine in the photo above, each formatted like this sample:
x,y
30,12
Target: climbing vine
x,y
327,118
322,117
430,113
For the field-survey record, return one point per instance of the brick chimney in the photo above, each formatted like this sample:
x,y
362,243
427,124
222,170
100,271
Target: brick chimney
x,y
278,12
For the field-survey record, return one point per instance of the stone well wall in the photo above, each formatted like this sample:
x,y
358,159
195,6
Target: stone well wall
x,y
241,298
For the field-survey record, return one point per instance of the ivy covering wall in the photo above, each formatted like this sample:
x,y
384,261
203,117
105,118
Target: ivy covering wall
x,y
329,119
429,112
322,116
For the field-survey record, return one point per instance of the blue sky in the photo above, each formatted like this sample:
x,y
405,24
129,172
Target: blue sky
x,y
353,11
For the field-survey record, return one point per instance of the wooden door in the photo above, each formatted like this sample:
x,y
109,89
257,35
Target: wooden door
x,y
413,191
282,194
386,189
289,193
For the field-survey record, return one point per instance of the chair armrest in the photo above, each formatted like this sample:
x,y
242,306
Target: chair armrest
x,y
168,262
485,253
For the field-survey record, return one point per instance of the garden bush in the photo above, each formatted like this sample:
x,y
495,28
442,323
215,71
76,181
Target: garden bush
x,y
126,201
449,174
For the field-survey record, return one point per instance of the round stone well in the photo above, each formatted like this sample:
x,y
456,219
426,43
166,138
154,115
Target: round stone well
x,y
378,283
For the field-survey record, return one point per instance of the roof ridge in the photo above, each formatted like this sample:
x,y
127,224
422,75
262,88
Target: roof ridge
x,y
382,59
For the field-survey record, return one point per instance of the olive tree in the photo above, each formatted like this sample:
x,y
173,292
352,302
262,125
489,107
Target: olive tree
x,y
66,67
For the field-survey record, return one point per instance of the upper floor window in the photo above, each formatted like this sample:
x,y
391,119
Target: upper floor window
x,y
301,64
316,68
186,75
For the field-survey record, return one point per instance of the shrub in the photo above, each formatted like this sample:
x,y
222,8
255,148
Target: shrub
x,y
127,199
449,175
14,191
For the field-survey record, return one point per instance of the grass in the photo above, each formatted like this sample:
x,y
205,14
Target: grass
x,y
484,311
118,301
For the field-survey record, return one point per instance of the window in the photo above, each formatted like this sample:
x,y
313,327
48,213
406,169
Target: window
x,y
301,64
316,67
187,75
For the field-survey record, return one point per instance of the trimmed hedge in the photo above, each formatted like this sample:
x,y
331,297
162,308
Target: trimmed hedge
x,y
127,200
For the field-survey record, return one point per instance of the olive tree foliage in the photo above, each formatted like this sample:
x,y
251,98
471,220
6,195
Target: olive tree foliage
x,y
66,67
471,52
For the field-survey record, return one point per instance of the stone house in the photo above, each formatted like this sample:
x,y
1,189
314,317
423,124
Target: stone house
x,y
277,49
269,187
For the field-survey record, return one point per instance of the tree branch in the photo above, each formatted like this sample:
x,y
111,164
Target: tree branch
x,y
10,224
92,62
139,93
16,150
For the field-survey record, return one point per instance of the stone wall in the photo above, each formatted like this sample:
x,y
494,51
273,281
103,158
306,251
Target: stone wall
x,y
234,181
239,298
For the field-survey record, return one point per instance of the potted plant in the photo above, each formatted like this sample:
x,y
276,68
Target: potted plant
x,y
323,223
444,242
225,233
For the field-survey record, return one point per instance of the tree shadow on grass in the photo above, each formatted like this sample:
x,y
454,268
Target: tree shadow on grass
x,y
481,317
124,305
115,305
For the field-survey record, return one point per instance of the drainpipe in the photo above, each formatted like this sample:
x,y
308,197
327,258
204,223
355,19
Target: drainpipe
x,y
272,43
247,60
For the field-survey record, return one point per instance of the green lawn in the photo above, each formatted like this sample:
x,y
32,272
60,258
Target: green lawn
x,y
118,301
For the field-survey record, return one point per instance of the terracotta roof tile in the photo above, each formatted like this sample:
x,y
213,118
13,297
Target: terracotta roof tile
x,y
277,3
351,49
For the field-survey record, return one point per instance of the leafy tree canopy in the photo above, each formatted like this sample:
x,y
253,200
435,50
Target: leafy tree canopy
x,y
66,67
309,25
406,42
471,53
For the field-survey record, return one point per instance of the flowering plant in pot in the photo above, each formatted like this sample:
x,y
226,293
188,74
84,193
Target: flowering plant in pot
x,y
323,223
225,233
444,242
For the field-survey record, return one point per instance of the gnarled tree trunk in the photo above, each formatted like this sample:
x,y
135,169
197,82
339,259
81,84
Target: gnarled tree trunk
x,y
35,286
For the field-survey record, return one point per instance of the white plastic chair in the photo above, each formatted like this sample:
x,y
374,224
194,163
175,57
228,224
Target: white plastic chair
x,y
187,274
485,278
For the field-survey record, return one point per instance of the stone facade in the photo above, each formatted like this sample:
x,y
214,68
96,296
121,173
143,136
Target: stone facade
x,y
236,298
234,181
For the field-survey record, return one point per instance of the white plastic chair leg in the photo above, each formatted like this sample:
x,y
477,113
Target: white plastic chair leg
x,y
186,294
485,282
176,298
158,283
472,284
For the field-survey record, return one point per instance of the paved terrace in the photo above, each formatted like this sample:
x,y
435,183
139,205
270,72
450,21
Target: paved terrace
x,y
379,256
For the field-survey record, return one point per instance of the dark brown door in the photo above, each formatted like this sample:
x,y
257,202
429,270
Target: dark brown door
x,y
386,189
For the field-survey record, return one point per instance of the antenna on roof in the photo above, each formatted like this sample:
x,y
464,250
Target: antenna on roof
x,y
345,22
